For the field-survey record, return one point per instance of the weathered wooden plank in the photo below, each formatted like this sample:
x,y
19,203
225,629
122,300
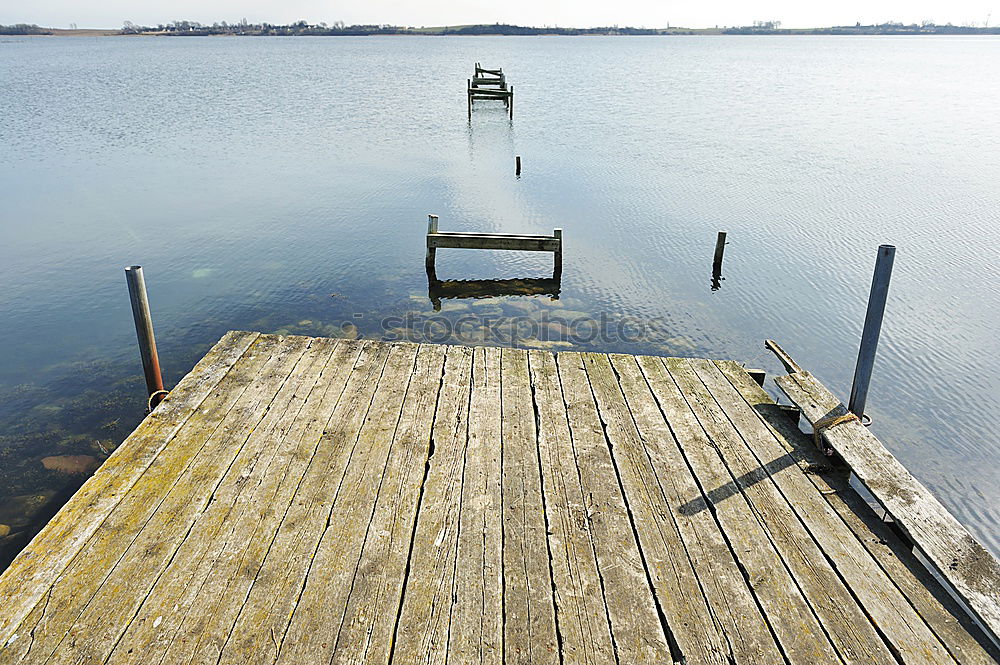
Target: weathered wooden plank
x,y
370,618
948,621
476,634
584,623
36,568
685,609
323,602
730,600
493,235
530,629
795,627
639,636
847,626
896,620
487,241
185,506
180,479
428,597
227,542
333,427
961,559
352,503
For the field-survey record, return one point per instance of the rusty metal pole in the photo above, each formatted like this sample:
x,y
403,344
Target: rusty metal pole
x,y
144,333
872,329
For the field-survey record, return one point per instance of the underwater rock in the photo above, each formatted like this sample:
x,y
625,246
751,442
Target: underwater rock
x,y
18,511
4,530
71,464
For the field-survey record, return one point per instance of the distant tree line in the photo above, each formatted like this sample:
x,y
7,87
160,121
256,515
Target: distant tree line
x,y
338,28
304,28
504,29
23,29
243,27
888,28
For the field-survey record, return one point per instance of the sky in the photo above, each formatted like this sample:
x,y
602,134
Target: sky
x,y
566,13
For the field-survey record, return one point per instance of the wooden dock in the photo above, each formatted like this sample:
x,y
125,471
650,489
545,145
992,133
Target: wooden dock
x,y
489,84
307,500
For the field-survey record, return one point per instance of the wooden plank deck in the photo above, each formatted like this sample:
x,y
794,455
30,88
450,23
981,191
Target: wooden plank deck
x,y
306,500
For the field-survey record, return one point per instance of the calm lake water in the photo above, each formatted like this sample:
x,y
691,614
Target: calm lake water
x,y
283,185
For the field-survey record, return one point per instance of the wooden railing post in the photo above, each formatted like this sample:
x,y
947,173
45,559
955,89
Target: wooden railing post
x,y
144,333
557,264
432,227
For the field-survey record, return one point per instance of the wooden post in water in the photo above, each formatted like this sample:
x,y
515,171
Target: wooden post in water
x,y
510,105
872,329
557,265
468,93
517,165
432,227
144,333
720,250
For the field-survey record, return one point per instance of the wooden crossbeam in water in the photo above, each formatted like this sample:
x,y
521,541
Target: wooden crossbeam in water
x,y
505,241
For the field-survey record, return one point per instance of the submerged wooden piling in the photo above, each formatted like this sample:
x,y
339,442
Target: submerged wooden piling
x,y
432,227
720,250
144,333
557,267
517,165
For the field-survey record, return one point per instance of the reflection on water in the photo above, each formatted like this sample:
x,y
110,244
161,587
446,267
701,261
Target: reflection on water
x,y
490,288
280,185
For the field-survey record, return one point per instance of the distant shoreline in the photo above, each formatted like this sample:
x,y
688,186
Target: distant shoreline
x,y
303,29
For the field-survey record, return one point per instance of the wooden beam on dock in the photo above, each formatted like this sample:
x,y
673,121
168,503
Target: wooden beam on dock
x,y
972,571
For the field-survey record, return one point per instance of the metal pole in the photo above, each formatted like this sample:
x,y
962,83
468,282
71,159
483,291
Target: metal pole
x,y
144,332
872,329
